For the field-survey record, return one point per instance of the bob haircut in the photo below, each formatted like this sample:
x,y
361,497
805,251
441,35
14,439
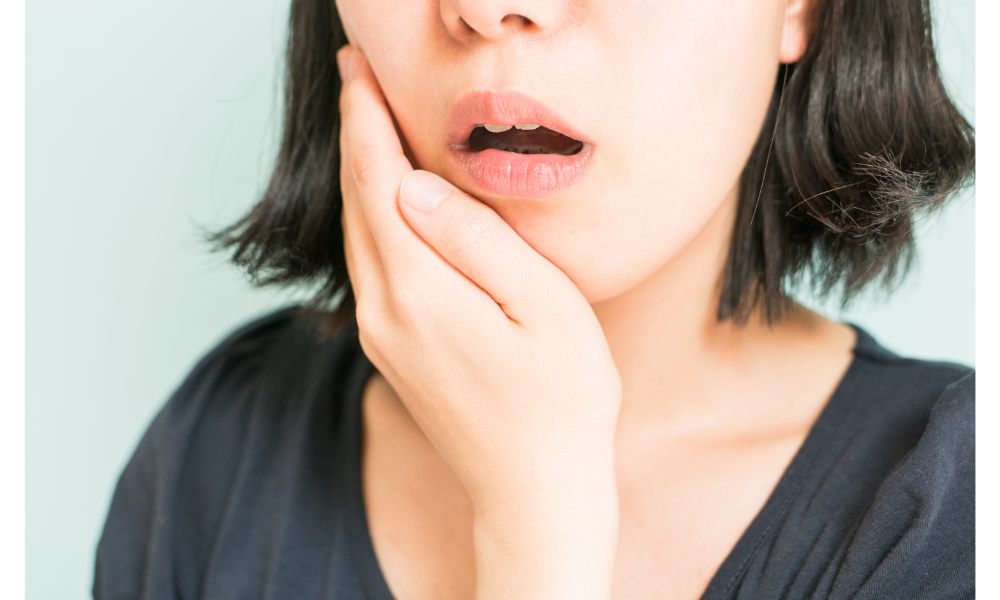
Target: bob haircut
x,y
860,136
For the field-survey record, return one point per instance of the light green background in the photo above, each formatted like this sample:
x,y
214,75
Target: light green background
x,y
148,119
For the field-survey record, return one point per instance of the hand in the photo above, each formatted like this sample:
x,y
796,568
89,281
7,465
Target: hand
x,y
495,353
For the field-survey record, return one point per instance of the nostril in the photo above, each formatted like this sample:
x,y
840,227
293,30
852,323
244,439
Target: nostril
x,y
513,19
470,20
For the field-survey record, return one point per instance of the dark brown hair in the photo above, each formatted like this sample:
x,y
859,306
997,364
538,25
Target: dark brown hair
x,y
860,136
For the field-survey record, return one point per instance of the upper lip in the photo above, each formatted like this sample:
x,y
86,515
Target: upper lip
x,y
502,108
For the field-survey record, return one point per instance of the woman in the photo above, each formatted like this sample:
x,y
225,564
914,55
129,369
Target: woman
x,y
562,362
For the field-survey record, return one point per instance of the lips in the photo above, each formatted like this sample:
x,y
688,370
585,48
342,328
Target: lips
x,y
528,163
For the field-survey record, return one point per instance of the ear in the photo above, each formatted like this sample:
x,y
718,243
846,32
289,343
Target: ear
x,y
796,30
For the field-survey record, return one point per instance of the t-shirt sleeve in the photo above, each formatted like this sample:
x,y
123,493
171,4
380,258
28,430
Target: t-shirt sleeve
x,y
135,554
917,538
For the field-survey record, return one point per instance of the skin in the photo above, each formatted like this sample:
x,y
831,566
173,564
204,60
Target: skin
x,y
556,412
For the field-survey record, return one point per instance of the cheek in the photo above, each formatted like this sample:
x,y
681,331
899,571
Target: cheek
x,y
398,38
694,95
417,64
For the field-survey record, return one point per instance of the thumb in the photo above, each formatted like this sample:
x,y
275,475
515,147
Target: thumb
x,y
476,241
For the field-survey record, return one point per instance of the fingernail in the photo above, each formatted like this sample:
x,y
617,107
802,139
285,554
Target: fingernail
x,y
422,191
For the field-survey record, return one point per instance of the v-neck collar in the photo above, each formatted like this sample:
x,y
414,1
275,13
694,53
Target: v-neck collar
x,y
733,568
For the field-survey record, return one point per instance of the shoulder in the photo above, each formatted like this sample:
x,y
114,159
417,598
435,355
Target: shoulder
x,y
885,402
879,501
916,536
252,365
258,367
207,475
934,404
918,383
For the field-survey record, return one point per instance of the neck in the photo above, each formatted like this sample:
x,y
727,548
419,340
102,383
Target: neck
x,y
679,364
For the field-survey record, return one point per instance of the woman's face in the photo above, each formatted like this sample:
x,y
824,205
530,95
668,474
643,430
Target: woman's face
x,y
668,97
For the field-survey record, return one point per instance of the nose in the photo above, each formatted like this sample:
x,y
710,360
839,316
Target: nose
x,y
493,19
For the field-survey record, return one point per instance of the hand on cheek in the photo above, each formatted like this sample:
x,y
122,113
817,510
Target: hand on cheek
x,y
494,352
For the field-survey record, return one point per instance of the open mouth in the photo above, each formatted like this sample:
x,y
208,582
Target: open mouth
x,y
523,138
510,144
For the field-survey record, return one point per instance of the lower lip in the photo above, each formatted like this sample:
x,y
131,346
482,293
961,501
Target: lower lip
x,y
527,175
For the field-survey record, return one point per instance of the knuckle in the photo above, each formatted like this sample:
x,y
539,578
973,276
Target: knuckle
x,y
360,161
479,231
385,322
348,98
370,322
407,301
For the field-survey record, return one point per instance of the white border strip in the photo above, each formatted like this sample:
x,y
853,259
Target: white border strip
x,y
987,299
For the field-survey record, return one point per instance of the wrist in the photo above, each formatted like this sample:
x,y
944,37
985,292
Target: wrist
x,y
559,541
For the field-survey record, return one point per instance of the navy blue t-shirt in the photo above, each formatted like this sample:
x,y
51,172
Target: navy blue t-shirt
x,y
248,484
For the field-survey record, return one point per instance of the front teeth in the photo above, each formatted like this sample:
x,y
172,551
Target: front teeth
x,y
501,128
